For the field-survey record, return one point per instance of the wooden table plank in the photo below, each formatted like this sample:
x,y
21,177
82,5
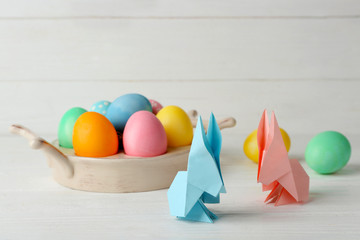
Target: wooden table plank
x,y
124,49
301,106
172,8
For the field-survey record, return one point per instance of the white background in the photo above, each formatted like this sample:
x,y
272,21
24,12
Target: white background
x,y
234,58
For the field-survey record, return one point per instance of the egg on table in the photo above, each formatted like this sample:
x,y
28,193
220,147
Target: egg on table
x,y
66,126
100,107
144,135
328,152
177,125
94,136
121,109
251,149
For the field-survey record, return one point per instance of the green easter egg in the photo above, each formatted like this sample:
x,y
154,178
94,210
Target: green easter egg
x,y
328,152
67,122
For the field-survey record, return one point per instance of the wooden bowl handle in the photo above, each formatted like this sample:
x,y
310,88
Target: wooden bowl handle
x,y
39,143
228,122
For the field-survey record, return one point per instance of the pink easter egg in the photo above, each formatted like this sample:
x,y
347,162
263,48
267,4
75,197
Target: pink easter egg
x,y
144,135
156,106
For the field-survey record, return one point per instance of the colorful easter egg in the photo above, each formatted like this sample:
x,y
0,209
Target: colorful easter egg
x,y
328,152
177,124
66,126
156,106
94,136
251,147
124,106
144,135
100,107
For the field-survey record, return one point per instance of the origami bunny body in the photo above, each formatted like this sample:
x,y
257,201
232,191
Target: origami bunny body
x,y
202,182
285,177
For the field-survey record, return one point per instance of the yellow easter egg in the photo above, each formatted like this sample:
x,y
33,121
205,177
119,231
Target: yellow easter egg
x,y
251,148
177,125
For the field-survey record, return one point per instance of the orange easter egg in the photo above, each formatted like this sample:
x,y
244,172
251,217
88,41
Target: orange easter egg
x,y
94,136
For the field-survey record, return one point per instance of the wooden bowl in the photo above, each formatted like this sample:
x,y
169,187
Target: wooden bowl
x,y
121,173
114,174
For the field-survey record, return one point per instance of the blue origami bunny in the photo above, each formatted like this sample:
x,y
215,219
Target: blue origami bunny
x,y
202,182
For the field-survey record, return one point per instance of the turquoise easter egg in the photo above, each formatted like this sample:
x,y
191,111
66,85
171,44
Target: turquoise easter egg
x,y
328,152
66,126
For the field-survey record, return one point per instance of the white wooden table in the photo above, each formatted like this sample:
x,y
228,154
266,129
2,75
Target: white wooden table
x,y
34,206
235,58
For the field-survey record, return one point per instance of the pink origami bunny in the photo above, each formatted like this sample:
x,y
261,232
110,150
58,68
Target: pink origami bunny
x,y
285,177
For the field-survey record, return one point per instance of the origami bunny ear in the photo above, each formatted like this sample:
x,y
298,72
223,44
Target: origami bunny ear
x,y
214,137
262,134
215,140
202,168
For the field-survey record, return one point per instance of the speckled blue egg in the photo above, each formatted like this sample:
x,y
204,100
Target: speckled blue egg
x,y
121,109
100,107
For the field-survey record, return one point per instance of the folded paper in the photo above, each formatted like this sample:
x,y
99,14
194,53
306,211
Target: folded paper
x,y
285,177
202,182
